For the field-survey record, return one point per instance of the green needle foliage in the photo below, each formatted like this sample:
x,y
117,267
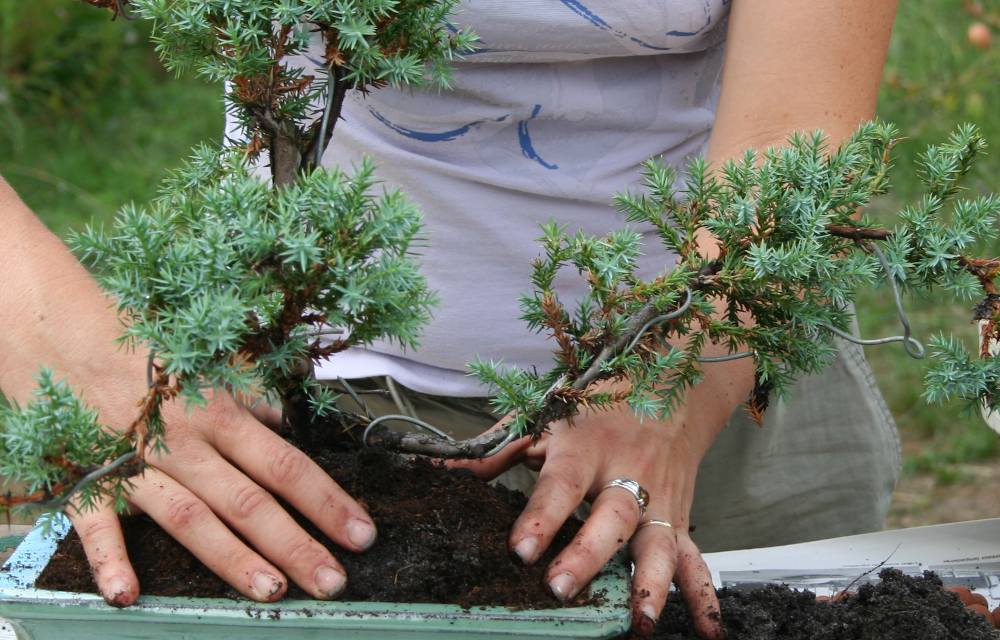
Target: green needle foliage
x,y
54,439
792,256
366,43
228,281
396,42
233,282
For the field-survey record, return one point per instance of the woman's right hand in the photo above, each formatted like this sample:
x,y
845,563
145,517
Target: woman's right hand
x,y
213,490
213,493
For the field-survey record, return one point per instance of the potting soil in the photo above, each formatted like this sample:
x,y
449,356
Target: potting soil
x,y
898,607
442,538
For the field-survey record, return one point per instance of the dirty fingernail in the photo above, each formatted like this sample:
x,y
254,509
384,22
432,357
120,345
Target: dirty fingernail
x,y
330,581
563,586
265,585
647,621
360,533
117,593
527,549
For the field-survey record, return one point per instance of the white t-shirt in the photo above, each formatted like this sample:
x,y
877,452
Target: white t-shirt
x,y
547,120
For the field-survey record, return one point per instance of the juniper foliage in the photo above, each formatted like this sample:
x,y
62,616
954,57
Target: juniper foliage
x,y
288,109
230,280
792,258
54,431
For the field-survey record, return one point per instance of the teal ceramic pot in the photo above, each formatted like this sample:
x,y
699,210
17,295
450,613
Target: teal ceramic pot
x,y
36,614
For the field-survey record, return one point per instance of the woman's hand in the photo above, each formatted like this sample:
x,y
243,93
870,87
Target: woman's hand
x,y
212,491
576,461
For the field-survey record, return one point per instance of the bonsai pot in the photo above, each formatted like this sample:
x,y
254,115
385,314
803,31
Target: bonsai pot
x,y
37,614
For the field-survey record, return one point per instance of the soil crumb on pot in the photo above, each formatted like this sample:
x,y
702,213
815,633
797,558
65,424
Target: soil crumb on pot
x,y
899,607
442,538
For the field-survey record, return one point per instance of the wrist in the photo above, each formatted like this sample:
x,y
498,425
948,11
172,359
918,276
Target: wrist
x,y
53,314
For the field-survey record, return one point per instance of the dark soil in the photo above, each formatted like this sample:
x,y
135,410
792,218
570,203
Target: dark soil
x,y
442,537
898,607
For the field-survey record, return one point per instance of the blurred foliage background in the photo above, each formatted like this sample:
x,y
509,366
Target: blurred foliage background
x,y
89,121
943,69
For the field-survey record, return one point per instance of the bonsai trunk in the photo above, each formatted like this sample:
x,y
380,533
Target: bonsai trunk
x,y
297,416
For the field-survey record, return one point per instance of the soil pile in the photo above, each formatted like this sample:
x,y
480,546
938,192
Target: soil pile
x,y
899,607
442,538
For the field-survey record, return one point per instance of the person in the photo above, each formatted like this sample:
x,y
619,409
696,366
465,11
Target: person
x,y
548,118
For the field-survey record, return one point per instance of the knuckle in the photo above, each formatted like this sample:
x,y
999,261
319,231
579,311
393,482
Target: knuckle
x,y
288,464
217,412
584,553
183,447
304,551
96,528
236,556
564,481
334,509
182,512
248,500
664,548
660,558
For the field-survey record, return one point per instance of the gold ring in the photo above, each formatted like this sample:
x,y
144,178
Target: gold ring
x,y
658,523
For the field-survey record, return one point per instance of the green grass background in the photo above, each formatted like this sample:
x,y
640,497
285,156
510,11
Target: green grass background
x,y
934,79
89,121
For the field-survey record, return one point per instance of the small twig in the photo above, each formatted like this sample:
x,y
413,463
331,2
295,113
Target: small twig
x,y
858,233
435,446
158,389
726,358
38,497
120,10
871,571
48,497
97,474
337,88
984,269
659,320
331,88
395,578
357,400
492,442
117,8
150,366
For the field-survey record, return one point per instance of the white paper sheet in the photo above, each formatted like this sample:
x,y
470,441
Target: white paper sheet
x,y
962,553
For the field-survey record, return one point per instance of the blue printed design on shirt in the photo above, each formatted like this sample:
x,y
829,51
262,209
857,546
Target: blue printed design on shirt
x,y
577,7
688,34
431,136
523,135
524,138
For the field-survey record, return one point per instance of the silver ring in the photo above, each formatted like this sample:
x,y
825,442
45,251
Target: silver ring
x,y
641,495
658,523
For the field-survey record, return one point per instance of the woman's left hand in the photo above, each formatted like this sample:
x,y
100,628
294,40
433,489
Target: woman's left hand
x,y
576,462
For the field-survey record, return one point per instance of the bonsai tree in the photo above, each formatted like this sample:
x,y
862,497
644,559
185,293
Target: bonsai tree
x,y
232,282
792,258
227,279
